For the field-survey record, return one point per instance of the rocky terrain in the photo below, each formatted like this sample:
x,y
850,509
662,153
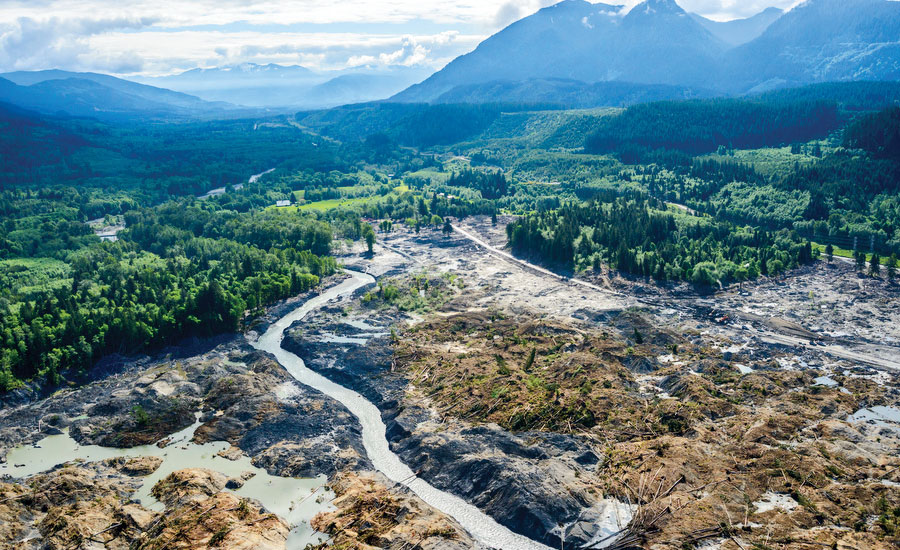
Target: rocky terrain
x,y
241,397
611,405
576,414
371,515
86,506
244,398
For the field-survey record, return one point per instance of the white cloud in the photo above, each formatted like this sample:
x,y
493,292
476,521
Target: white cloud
x,y
53,42
165,36
514,10
166,52
409,54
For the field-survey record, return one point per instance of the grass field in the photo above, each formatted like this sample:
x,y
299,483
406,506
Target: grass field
x,y
768,161
845,253
330,204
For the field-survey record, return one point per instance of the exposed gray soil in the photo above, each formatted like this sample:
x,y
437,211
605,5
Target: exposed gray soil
x,y
530,482
533,483
527,481
246,399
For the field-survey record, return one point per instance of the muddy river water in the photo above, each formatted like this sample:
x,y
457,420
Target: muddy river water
x,y
295,500
478,524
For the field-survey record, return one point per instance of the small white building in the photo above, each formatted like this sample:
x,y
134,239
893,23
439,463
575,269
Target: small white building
x,y
282,204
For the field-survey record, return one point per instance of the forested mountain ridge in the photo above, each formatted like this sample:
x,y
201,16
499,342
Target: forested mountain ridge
x,y
811,165
573,94
656,42
698,127
179,159
102,97
149,93
821,41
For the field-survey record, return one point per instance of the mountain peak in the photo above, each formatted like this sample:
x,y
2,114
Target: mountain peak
x,y
663,7
569,4
577,7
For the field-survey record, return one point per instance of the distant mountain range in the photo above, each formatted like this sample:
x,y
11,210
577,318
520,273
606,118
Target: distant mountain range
x,y
572,54
290,86
658,43
739,31
102,96
820,41
244,90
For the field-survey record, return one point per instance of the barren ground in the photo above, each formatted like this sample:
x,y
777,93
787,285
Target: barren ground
x,y
741,434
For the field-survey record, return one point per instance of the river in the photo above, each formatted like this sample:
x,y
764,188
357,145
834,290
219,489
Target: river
x,y
478,524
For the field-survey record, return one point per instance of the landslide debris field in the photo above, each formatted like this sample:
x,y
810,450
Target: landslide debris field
x,y
758,416
578,415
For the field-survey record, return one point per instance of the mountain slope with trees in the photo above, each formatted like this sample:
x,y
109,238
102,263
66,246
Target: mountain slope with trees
x,y
101,96
658,43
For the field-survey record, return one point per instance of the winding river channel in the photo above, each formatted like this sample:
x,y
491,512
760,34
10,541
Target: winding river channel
x,y
473,520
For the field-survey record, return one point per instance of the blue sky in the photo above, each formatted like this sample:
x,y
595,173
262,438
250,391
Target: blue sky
x,y
141,37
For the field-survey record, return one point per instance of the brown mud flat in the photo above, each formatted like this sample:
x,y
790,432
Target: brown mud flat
x,y
724,439
371,515
702,456
86,506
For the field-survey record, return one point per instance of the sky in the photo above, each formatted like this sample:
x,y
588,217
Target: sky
x,y
160,37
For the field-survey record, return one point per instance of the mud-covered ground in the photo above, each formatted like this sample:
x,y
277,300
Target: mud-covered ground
x,y
850,314
729,417
245,399
751,418
87,506
242,397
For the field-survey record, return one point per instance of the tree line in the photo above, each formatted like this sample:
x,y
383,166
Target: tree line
x,y
165,279
702,126
638,237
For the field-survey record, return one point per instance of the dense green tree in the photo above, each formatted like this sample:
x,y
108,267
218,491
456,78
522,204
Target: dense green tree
x,y
492,184
860,258
369,236
878,133
875,265
702,126
638,237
